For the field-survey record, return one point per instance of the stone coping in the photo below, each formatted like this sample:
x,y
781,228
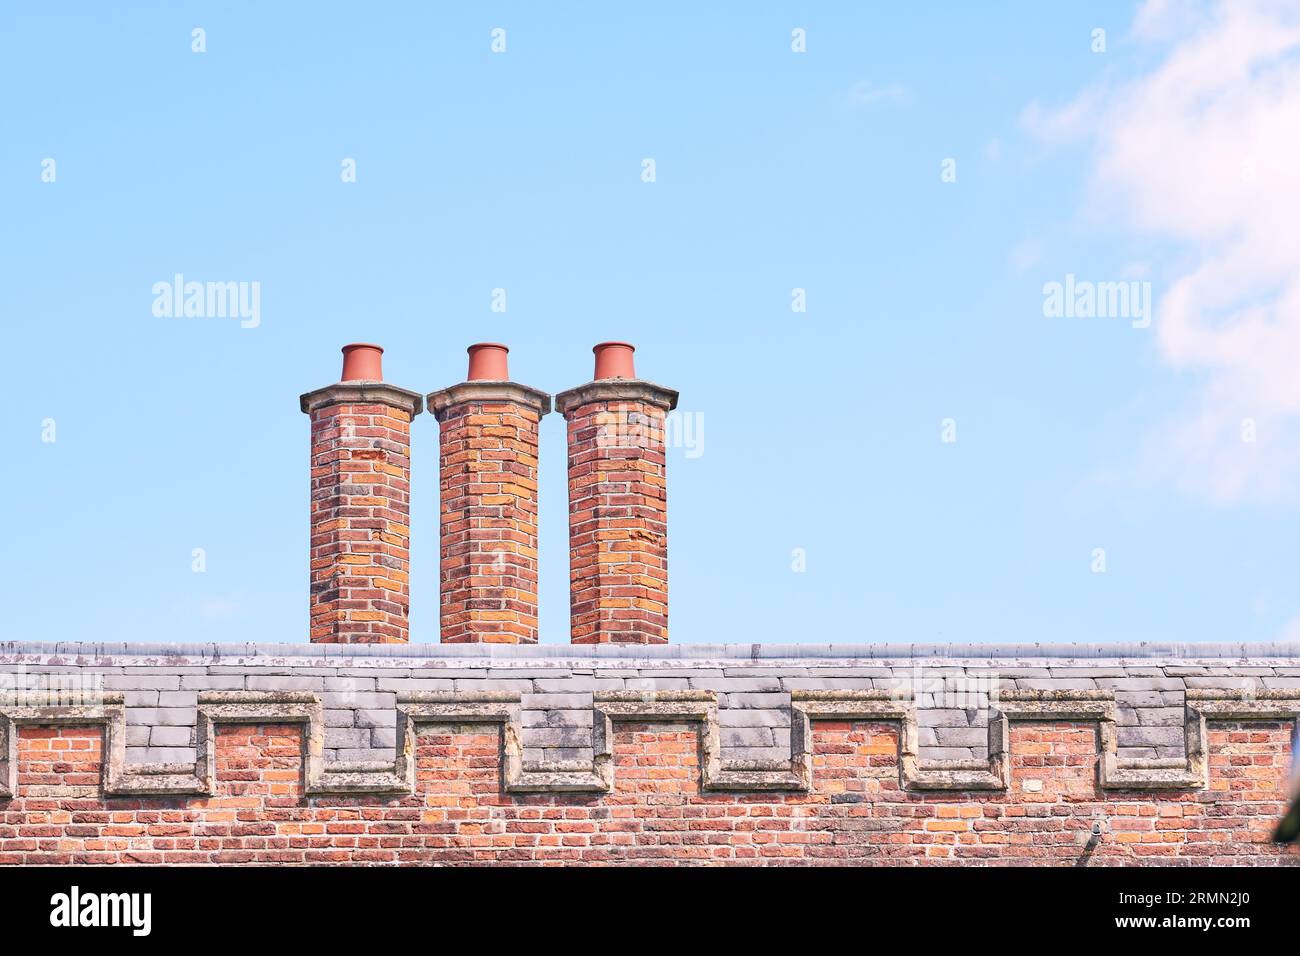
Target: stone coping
x,y
616,390
360,392
80,652
491,391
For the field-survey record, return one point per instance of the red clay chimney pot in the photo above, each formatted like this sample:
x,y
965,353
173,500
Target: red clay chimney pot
x,y
614,360
487,361
362,363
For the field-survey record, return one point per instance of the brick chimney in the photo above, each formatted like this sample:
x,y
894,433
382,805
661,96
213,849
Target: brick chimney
x,y
618,514
488,448
360,504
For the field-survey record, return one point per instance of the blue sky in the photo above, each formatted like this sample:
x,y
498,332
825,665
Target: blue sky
x,y
775,170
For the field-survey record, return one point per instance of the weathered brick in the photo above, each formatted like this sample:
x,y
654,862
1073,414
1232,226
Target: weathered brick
x,y
360,513
856,812
618,519
488,437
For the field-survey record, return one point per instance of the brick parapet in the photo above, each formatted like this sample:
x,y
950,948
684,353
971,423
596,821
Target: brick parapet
x,y
754,684
656,785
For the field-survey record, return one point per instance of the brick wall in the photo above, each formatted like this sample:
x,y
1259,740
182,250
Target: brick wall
x,y
360,512
618,511
727,754
855,813
488,479
618,523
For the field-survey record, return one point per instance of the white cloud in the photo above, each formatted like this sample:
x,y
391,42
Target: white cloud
x,y
865,93
1025,254
220,608
1165,19
1202,150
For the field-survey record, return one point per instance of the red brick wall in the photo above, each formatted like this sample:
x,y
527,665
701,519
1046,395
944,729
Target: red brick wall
x,y
59,757
618,523
856,813
489,522
360,524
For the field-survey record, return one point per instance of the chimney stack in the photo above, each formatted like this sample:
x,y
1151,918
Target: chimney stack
x,y
360,504
618,515
488,452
